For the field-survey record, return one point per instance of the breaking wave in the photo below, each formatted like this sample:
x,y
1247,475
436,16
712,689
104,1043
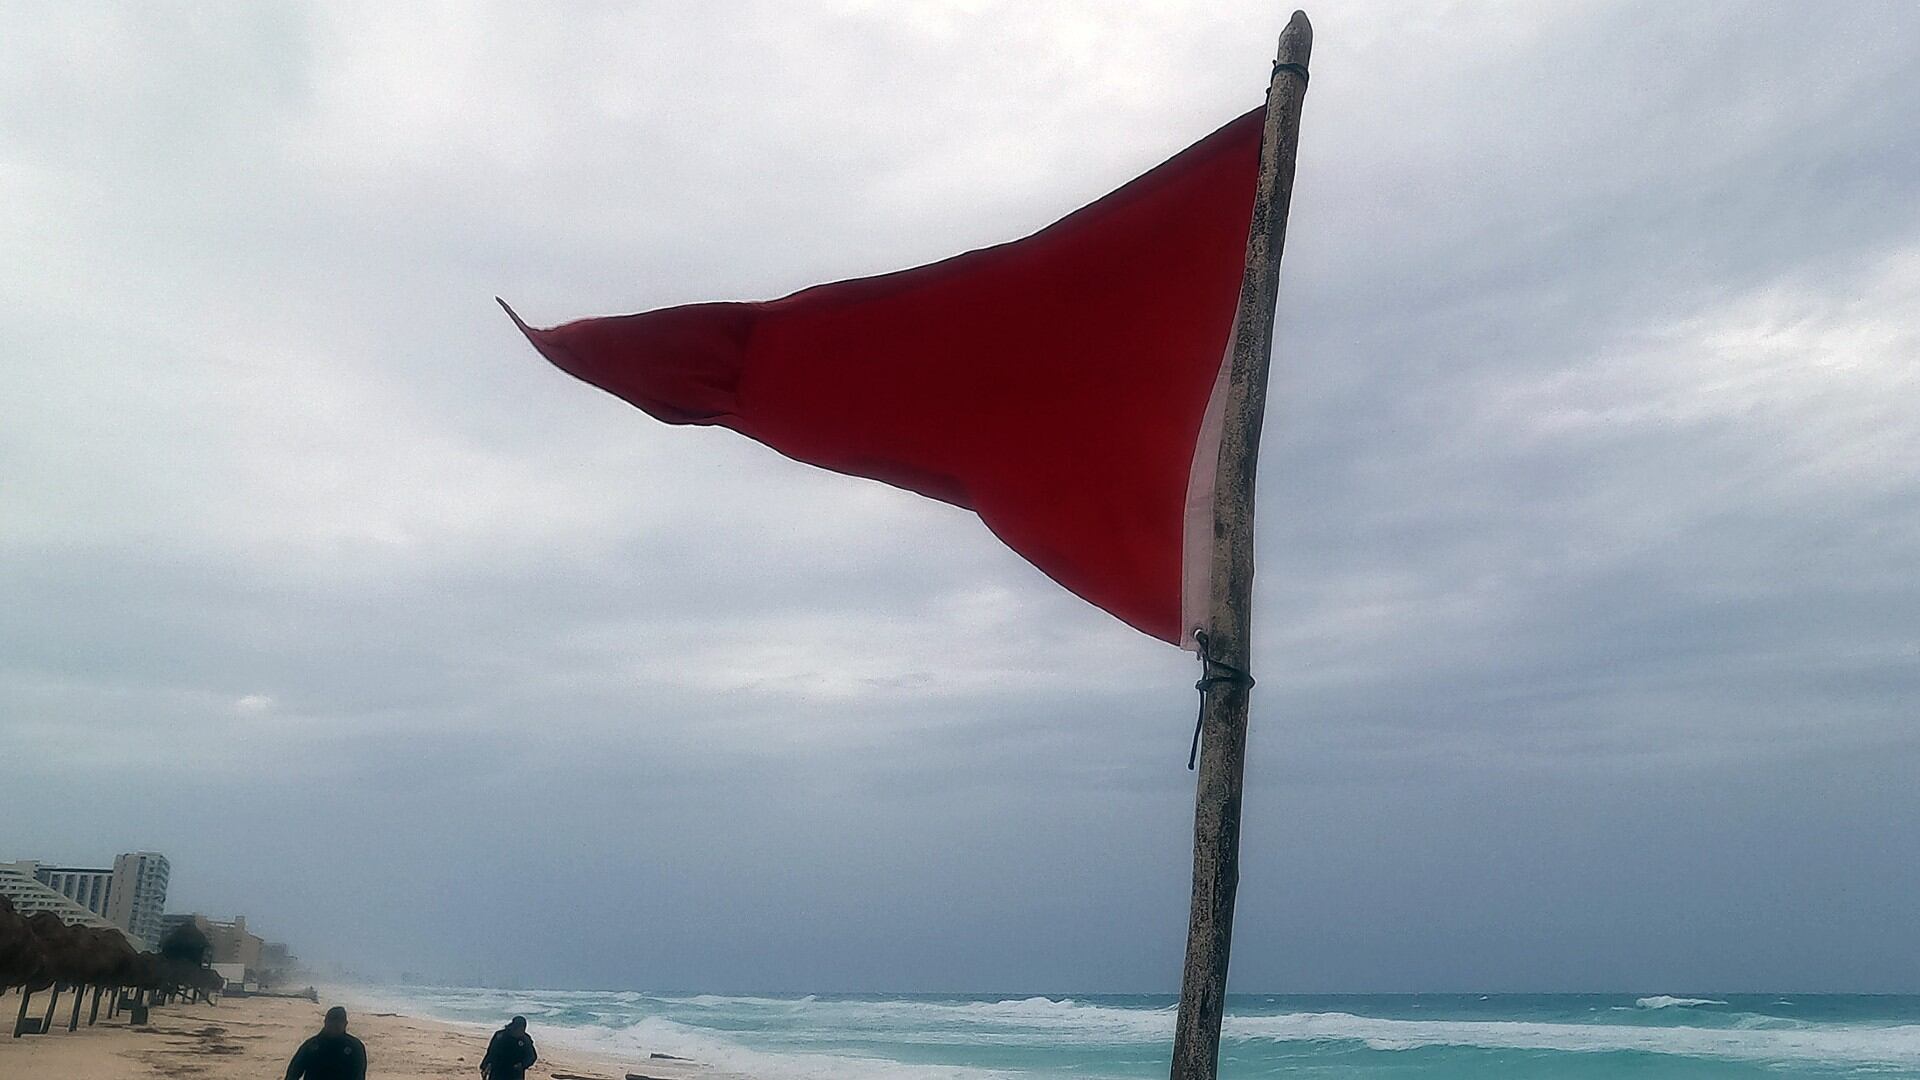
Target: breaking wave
x,y
1003,1038
1864,1045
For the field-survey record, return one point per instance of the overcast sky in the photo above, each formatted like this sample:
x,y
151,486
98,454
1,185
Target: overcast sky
x,y
1588,626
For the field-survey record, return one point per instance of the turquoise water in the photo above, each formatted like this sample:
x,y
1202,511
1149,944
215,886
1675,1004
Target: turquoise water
x,y
1356,1037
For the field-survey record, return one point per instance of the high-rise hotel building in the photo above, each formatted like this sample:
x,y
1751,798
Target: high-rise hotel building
x,y
132,895
138,896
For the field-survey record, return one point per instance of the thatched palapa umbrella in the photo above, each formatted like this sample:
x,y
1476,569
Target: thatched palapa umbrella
x,y
57,944
23,962
183,952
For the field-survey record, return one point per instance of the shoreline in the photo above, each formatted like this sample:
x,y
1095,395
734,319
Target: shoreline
x,y
573,1043
252,1037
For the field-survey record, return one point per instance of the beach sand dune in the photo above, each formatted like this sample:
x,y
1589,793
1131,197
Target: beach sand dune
x,y
251,1038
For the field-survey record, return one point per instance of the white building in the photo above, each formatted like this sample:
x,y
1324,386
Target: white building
x,y
132,895
138,896
232,976
29,896
83,885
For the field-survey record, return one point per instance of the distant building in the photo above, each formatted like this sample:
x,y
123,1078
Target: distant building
x,y
231,942
233,977
139,894
276,957
29,896
83,885
131,895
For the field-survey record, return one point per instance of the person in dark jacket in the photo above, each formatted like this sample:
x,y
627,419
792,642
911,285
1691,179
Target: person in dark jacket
x,y
331,1055
510,1054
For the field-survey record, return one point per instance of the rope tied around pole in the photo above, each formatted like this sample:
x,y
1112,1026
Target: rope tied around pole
x,y
1212,673
1291,69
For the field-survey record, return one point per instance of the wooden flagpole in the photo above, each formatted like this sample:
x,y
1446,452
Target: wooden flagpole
x,y
1216,814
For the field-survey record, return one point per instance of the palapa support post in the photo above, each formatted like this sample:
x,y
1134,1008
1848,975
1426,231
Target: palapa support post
x,y
1216,816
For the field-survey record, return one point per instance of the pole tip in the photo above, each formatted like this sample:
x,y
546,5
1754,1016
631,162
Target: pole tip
x,y
1296,41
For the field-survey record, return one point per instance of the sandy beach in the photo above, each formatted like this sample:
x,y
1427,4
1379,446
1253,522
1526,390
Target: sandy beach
x,y
251,1038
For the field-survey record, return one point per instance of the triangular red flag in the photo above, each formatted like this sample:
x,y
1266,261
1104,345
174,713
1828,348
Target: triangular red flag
x,y
1058,386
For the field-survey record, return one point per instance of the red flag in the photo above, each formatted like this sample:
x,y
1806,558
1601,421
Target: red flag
x,y
1058,386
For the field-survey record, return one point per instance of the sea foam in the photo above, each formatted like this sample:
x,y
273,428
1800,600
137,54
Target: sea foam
x,y
995,1038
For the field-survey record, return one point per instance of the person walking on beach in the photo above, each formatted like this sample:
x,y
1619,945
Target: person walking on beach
x,y
510,1054
331,1055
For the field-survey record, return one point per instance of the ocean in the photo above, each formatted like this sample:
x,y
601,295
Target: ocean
x,y
1094,1036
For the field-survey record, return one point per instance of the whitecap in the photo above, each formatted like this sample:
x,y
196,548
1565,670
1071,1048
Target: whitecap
x,y
1890,1045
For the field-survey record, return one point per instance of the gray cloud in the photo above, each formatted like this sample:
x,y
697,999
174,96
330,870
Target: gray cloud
x,y
1586,644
